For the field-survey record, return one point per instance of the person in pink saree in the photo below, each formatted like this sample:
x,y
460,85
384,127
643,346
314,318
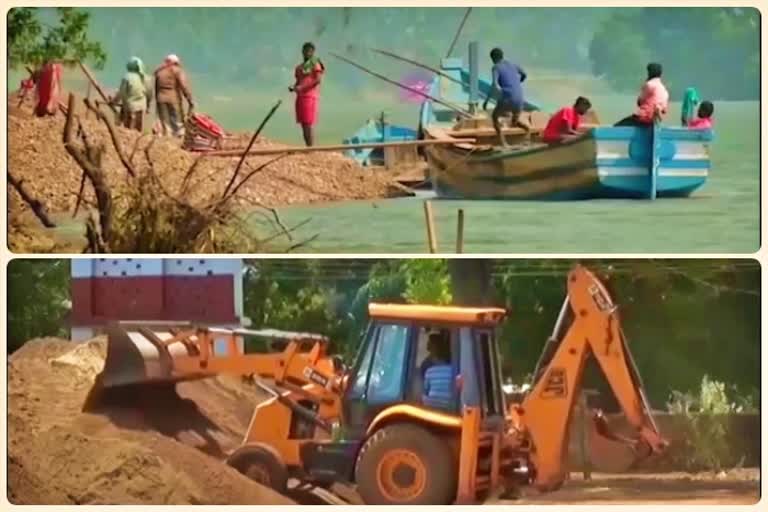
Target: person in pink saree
x,y
308,75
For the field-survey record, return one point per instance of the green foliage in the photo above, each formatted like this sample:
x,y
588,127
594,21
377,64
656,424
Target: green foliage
x,y
427,281
683,318
709,424
38,299
702,47
31,42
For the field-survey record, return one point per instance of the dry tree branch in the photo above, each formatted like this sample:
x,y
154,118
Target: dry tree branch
x,y
113,135
136,147
36,205
302,243
254,171
94,173
190,171
250,145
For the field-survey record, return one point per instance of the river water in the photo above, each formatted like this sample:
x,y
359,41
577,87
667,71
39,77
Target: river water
x,y
721,217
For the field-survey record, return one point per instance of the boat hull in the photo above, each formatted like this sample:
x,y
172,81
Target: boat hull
x,y
607,163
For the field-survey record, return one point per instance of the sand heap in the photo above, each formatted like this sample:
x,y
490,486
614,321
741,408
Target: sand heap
x,y
158,448
36,155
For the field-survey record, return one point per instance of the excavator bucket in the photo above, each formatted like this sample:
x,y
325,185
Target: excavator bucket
x,y
138,356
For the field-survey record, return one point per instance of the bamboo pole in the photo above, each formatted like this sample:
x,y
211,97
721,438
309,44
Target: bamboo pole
x,y
96,85
337,147
455,108
431,235
458,32
460,232
418,65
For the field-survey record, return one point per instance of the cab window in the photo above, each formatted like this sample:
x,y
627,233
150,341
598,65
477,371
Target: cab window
x,y
389,364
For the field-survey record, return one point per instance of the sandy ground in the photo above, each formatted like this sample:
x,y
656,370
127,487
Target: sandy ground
x,y
166,445
738,487
37,157
162,446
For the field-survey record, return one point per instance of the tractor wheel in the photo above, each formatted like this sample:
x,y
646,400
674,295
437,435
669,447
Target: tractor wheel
x,y
261,464
406,465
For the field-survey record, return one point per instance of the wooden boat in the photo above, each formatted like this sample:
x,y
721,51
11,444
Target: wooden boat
x,y
607,162
376,130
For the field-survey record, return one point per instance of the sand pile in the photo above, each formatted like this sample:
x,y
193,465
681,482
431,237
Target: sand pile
x,y
36,155
162,446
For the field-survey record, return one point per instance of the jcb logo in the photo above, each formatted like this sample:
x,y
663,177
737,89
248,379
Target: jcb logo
x,y
556,385
316,377
601,298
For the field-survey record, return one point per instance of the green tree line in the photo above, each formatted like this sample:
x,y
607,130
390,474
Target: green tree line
x,y
683,318
716,50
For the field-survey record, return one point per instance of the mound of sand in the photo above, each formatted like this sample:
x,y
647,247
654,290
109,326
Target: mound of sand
x,y
36,155
161,446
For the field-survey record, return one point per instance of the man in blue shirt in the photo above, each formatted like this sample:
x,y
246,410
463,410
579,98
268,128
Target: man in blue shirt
x,y
439,378
507,86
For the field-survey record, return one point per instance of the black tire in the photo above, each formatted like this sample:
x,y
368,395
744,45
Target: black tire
x,y
424,471
261,464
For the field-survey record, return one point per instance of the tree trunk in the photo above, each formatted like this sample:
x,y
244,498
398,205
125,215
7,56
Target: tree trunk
x,y
472,282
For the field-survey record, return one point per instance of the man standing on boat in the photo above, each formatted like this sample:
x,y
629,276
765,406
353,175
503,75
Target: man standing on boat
x,y
307,88
507,79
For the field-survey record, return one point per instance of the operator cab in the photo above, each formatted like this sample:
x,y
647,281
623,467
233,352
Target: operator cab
x,y
439,359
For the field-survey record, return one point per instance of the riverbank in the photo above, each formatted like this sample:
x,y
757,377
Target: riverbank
x,y
37,157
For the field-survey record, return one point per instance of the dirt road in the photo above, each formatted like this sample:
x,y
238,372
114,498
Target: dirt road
x,y
739,487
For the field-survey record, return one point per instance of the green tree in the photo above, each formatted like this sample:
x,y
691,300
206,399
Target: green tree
x,y
38,300
32,42
716,50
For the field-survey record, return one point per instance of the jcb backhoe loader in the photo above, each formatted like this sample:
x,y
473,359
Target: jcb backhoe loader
x,y
420,417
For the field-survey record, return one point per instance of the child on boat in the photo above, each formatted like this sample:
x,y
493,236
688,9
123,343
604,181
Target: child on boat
x,y
703,119
653,101
564,125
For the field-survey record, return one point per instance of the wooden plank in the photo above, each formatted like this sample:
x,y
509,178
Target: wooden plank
x,y
460,232
486,132
430,219
337,147
395,156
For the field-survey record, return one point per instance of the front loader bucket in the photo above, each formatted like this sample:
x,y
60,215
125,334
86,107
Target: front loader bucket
x,y
138,356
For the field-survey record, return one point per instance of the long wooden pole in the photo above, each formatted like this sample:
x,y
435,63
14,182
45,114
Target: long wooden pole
x,y
96,85
458,32
418,64
455,108
338,147
423,66
430,220
460,232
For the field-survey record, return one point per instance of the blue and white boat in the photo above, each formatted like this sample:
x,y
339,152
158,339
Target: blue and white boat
x,y
607,162
376,130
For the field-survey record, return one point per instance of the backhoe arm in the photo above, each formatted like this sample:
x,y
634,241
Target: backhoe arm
x,y
589,323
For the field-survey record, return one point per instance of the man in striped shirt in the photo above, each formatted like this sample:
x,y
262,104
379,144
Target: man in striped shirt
x,y
439,378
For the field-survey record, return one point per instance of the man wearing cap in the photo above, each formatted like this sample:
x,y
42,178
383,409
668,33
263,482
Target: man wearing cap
x,y
170,84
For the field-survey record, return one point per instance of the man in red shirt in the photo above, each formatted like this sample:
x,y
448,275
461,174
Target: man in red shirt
x,y
308,76
564,125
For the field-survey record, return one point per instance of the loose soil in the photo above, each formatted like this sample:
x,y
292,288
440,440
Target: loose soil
x,y
36,155
736,487
164,446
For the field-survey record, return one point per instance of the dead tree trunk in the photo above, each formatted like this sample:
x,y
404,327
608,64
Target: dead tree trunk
x,y
37,207
89,161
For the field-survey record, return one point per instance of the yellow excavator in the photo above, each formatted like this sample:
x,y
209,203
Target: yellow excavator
x,y
421,416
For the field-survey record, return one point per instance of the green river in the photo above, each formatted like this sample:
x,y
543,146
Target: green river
x,y
721,217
